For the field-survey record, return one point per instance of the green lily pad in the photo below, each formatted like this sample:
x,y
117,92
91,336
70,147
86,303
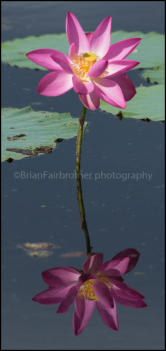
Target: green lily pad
x,y
150,52
14,51
26,132
155,75
148,104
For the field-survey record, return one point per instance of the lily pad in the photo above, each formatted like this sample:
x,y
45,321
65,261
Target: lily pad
x,y
40,249
148,103
14,51
73,254
155,75
38,253
26,132
150,51
37,246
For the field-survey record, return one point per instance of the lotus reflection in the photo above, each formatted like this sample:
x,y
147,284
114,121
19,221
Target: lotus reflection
x,y
98,283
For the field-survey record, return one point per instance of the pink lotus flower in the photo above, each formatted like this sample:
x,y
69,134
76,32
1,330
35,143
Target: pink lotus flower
x,y
93,68
98,283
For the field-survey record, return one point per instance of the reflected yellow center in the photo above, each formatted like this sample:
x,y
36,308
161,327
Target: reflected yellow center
x,y
86,290
82,64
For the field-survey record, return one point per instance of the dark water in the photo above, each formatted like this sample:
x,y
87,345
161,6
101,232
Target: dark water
x,y
120,213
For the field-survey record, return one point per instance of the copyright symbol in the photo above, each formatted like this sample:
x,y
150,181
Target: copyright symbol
x,y
16,175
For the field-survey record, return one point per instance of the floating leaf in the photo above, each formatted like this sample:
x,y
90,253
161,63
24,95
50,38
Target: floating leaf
x,y
156,75
139,273
14,51
26,132
41,254
148,103
38,246
150,52
38,249
73,254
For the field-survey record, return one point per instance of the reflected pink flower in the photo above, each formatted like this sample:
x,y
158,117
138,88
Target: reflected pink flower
x,y
98,283
93,68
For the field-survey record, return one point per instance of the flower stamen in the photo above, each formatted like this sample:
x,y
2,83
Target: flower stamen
x,y
82,64
86,290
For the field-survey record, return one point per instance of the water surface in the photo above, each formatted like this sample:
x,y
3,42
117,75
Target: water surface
x,y
120,213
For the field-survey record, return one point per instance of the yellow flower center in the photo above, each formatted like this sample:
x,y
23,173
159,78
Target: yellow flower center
x,y
82,64
90,56
86,290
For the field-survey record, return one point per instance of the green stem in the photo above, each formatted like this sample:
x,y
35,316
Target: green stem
x,y
78,177
79,139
